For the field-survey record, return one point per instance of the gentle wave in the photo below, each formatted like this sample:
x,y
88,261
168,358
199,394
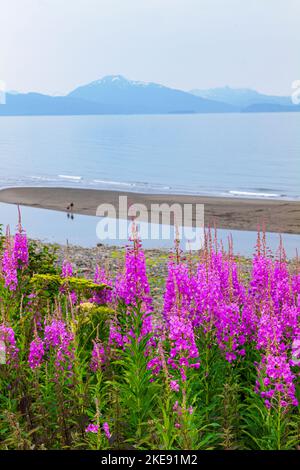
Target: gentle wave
x,y
70,177
254,194
114,183
42,178
136,184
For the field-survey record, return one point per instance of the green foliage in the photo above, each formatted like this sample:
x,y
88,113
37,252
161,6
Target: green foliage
x,y
42,259
49,285
269,429
82,286
137,395
46,284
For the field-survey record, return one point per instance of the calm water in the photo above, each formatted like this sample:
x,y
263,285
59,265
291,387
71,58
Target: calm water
x,y
226,154
52,226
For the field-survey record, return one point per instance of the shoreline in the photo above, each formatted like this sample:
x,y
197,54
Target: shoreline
x,y
279,216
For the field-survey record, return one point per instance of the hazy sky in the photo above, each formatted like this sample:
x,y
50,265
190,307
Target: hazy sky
x,y
52,46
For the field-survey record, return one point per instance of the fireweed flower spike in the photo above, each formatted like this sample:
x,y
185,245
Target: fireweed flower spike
x,y
9,263
276,381
7,336
183,352
132,289
133,285
98,356
36,353
59,339
67,269
106,430
21,247
231,333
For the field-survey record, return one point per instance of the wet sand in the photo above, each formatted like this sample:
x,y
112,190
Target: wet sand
x,y
228,213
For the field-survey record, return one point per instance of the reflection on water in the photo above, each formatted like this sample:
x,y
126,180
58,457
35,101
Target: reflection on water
x,y
63,227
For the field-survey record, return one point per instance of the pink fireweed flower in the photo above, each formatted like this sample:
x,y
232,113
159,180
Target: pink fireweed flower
x,y
276,381
296,286
9,264
230,331
269,331
67,269
216,283
155,365
106,430
280,286
208,295
132,289
277,328
178,314
179,289
7,336
94,428
184,351
174,385
133,285
262,272
295,361
290,316
176,406
58,338
115,335
21,249
36,353
73,297
98,356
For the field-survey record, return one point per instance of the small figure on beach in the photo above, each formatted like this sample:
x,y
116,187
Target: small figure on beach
x,y
70,211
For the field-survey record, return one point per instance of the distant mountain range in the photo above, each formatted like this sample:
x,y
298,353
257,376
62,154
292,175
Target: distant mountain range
x,y
114,94
240,97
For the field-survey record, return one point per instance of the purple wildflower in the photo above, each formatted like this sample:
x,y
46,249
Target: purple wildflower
x,y
106,430
67,269
7,336
174,385
94,428
36,353
58,338
21,249
9,264
98,356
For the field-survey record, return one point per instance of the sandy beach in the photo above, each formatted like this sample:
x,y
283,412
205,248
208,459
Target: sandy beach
x,y
228,213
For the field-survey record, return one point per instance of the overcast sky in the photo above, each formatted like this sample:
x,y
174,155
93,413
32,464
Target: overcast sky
x,y
51,46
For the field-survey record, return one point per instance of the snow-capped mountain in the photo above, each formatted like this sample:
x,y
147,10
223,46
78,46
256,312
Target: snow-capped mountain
x,y
143,97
